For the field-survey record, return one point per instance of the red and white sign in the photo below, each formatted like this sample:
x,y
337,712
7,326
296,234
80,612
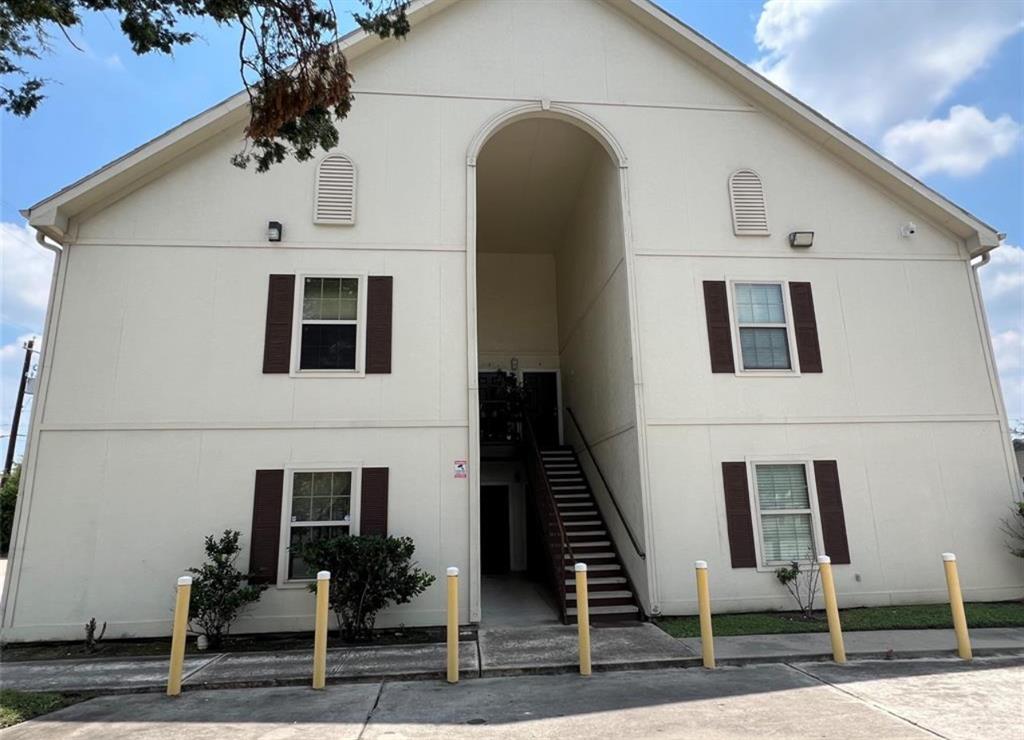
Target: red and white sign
x,y
460,469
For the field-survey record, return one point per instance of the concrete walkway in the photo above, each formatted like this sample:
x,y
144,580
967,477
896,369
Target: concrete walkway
x,y
498,652
861,701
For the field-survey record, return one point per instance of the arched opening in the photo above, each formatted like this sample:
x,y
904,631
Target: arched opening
x,y
553,335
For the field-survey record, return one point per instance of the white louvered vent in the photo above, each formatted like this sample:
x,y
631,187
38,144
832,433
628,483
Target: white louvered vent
x,y
335,191
746,194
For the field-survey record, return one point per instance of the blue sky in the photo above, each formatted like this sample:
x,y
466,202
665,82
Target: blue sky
x,y
936,85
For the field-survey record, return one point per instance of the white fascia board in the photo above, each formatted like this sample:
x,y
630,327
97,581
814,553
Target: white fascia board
x,y
812,124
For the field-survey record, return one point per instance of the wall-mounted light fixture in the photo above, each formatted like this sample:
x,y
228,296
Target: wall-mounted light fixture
x,y
801,239
274,231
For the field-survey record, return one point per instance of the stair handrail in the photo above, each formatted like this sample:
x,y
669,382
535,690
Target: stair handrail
x,y
547,496
611,494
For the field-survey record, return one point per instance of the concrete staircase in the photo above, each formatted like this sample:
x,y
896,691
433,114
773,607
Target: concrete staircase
x,y
611,594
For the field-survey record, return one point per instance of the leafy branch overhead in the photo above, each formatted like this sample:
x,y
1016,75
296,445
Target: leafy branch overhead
x,y
289,61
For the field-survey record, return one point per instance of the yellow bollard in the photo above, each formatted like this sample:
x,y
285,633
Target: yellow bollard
x,y
956,605
707,638
323,591
583,617
453,625
835,628
178,635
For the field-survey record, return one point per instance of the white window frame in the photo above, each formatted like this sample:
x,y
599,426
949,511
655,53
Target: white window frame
x,y
734,319
359,370
764,565
286,513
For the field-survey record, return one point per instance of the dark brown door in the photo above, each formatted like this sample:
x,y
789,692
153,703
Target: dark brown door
x,y
542,405
494,534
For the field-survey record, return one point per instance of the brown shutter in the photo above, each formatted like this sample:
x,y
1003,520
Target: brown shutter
x,y
830,508
716,308
265,540
373,502
806,327
378,324
737,515
277,344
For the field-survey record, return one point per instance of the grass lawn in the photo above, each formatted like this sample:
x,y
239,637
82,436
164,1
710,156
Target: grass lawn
x,y
925,616
18,706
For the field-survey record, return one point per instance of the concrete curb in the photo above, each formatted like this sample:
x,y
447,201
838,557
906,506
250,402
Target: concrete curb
x,y
194,684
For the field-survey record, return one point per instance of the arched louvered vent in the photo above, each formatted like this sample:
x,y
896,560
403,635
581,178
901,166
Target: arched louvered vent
x,y
335,191
746,195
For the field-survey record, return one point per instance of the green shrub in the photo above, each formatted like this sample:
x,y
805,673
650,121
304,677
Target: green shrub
x,y
1013,527
8,500
219,590
367,575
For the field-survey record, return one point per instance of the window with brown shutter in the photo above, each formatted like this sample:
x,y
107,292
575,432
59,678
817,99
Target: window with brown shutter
x,y
716,309
737,515
265,537
830,510
378,323
805,327
277,343
373,515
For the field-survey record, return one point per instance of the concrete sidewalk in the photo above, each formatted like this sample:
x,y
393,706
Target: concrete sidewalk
x,y
498,652
863,700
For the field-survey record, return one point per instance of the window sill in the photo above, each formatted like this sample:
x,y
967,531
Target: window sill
x,y
767,373
327,374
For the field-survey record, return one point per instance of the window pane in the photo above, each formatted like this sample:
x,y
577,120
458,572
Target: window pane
x,y
322,496
759,304
782,487
330,299
328,347
311,290
787,537
297,567
764,349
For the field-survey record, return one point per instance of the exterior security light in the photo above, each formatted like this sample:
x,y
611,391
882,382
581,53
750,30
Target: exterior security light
x,y
801,238
274,231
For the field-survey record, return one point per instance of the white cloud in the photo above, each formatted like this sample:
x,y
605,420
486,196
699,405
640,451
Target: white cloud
x,y
869,65
25,284
960,145
1002,284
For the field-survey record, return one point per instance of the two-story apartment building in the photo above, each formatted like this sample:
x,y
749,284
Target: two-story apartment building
x,y
744,337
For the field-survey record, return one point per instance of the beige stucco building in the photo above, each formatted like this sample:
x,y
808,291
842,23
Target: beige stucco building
x,y
614,216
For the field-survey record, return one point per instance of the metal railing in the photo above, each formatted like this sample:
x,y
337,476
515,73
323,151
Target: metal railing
x,y
555,537
607,487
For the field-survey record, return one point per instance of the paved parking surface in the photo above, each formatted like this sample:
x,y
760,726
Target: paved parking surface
x,y
869,699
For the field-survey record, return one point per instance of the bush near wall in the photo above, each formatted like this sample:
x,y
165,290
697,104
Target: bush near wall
x,y
8,500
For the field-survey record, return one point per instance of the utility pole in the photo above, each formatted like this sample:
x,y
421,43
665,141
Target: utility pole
x,y
9,460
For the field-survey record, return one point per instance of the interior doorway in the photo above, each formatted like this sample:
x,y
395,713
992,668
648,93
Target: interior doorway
x,y
495,524
543,405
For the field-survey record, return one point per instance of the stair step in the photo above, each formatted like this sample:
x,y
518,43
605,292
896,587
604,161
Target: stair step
x,y
592,543
558,464
586,523
556,453
599,566
593,556
600,581
573,504
589,512
560,496
625,594
622,609
573,487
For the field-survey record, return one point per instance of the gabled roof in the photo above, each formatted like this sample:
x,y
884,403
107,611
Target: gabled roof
x,y
52,213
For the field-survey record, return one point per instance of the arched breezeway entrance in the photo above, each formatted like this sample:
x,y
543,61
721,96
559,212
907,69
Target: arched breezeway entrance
x,y
550,311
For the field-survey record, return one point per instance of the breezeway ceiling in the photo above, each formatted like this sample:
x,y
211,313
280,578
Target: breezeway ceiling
x,y
528,177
